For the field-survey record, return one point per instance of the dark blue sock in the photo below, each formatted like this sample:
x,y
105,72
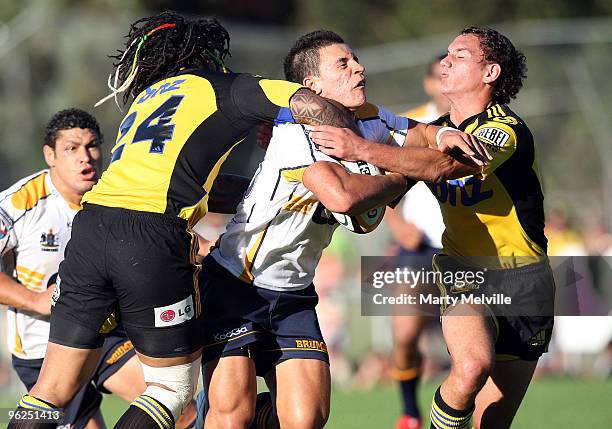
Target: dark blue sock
x,y
409,396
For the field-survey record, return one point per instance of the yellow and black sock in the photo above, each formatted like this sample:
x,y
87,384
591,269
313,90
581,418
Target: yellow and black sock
x,y
408,380
44,416
146,413
443,416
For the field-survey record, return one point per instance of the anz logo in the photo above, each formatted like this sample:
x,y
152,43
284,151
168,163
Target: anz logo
x,y
470,192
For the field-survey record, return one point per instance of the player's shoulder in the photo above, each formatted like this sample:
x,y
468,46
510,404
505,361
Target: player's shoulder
x,y
205,74
370,111
290,141
498,124
378,123
220,82
289,134
501,115
443,121
417,112
26,192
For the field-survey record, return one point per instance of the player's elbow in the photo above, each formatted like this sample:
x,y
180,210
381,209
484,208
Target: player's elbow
x,y
341,201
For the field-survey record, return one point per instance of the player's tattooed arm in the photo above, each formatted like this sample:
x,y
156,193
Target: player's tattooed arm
x,y
227,192
311,109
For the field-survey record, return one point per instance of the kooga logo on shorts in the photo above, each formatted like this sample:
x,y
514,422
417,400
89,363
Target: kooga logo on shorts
x,y
230,334
174,314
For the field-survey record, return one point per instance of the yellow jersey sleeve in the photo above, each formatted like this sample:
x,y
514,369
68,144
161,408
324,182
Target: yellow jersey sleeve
x,y
500,140
262,99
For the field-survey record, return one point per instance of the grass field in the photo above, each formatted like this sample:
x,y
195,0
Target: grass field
x,y
550,403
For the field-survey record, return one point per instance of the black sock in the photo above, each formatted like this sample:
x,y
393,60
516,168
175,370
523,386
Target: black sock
x,y
443,416
409,396
146,413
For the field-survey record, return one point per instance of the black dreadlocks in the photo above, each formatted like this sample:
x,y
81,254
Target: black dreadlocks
x,y
191,43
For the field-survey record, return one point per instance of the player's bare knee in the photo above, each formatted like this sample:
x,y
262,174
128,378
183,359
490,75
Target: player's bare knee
x,y
57,392
303,417
237,415
471,374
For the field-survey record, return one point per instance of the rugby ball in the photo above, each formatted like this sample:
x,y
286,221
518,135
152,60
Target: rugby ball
x,y
368,221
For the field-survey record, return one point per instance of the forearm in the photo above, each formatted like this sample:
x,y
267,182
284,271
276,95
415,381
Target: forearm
x,y
227,192
16,295
309,108
369,192
421,135
418,163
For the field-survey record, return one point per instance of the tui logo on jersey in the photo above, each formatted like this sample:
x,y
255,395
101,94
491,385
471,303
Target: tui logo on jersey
x,y
49,242
3,232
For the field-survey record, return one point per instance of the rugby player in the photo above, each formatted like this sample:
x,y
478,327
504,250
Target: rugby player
x,y
498,215
258,297
416,225
132,252
36,216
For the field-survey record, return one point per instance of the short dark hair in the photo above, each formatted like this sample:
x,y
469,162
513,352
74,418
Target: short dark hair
x,y
167,43
303,59
499,49
68,119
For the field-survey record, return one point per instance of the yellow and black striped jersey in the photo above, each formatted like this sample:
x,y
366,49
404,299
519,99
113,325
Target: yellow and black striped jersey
x,y
177,133
500,214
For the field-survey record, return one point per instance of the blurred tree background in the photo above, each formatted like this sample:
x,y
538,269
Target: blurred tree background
x,y
53,54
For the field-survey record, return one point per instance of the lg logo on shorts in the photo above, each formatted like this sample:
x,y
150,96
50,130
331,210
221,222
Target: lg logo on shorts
x,y
167,316
174,314
230,334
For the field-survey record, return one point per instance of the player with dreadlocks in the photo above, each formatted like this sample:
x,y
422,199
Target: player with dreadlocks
x,y
132,252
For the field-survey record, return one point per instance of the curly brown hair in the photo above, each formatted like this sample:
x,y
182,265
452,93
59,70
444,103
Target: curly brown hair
x,y
497,48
